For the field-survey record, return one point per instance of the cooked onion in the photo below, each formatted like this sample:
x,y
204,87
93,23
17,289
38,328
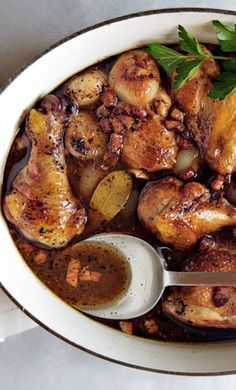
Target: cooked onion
x,y
88,181
86,87
187,158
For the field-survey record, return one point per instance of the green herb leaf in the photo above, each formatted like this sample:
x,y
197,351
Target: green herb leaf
x,y
223,86
188,43
230,65
226,82
167,58
185,65
226,36
185,70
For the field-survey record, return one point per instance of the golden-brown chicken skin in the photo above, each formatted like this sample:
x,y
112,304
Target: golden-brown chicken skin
x,y
206,306
212,122
179,214
41,204
149,146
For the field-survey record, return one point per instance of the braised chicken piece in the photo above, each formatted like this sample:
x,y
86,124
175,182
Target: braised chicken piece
x,y
149,146
41,204
206,306
179,214
84,137
212,122
134,106
135,77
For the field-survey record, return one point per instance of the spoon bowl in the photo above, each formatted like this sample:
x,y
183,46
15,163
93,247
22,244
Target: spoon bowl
x,y
148,278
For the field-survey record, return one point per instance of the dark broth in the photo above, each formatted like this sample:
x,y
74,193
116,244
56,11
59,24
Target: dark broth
x,y
108,269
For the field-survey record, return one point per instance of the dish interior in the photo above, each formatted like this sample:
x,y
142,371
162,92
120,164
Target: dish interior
x,y
160,326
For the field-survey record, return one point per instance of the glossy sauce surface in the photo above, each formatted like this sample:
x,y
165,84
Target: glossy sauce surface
x,y
100,273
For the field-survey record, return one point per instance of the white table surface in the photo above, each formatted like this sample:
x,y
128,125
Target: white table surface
x,y
35,359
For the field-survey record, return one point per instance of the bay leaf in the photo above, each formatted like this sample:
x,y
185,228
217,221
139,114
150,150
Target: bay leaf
x,y
109,197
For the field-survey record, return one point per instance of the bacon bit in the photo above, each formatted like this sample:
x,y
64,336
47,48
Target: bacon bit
x,y
24,189
151,326
102,112
127,120
72,276
109,160
187,174
106,125
22,142
108,97
118,126
40,258
126,327
115,143
89,276
177,115
34,170
174,125
162,103
184,143
138,112
123,108
217,182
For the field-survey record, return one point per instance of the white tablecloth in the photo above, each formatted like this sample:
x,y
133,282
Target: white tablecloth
x,y
35,359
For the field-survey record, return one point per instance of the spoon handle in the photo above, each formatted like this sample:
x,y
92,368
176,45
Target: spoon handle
x,y
199,278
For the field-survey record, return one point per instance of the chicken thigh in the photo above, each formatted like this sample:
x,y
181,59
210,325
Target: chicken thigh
x,y
149,146
41,204
206,306
179,214
212,122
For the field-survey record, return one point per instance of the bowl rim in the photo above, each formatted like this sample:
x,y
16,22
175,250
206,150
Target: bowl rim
x,y
5,86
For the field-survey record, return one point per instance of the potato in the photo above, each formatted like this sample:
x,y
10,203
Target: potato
x,y
135,78
109,197
85,89
84,137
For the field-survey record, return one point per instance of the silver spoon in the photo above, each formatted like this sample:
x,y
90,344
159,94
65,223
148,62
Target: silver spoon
x,y
149,278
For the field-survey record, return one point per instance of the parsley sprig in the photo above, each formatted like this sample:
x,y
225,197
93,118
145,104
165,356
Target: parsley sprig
x,y
185,65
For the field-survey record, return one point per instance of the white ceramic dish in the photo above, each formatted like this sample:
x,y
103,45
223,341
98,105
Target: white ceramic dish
x,y
44,74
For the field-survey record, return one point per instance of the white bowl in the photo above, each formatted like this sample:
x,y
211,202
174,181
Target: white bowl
x,y
37,79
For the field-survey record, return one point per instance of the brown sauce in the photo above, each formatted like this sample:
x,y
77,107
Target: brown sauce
x,y
103,273
115,277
